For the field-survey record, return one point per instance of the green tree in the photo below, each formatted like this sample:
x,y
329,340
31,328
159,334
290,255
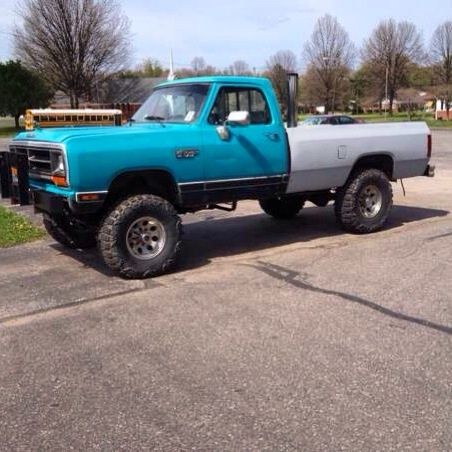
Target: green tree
x,y
20,89
151,68
420,77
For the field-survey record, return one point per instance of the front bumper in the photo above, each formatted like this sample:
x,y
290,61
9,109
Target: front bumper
x,y
54,204
48,202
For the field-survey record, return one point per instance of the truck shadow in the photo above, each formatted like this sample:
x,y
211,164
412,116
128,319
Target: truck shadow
x,y
212,237
233,236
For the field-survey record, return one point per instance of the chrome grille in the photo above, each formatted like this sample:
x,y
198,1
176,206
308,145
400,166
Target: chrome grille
x,y
39,159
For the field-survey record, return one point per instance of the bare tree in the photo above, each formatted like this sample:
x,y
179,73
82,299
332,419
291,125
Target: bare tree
x,y
240,67
390,50
72,43
329,54
441,52
198,65
278,65
284,58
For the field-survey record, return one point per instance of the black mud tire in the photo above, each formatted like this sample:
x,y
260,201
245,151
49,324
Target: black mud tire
x,y
68,233
112,237
349,209
282,208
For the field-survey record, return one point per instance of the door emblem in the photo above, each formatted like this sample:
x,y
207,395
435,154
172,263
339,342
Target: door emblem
x,y
186,153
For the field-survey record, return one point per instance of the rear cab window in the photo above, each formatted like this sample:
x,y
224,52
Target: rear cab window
x,y
240,99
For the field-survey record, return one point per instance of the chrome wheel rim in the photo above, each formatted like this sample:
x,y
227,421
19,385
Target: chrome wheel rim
x,y
370,201
145,238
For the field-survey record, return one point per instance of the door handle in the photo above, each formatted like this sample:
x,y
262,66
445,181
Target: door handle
x,y
272,135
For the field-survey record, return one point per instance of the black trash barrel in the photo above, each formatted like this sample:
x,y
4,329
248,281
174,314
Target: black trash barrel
x,y
5,174
20,193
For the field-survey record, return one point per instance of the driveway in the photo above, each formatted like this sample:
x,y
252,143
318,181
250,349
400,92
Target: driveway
x,y
269,336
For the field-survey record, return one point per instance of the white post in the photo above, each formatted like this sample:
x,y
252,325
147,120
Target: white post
x,y
386,89
171,75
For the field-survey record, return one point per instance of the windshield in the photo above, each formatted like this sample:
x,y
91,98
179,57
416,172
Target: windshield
x,y
314,120
178,103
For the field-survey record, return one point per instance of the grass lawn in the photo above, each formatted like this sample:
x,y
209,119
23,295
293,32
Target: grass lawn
x,y
8,131
399,117
7,128
15,229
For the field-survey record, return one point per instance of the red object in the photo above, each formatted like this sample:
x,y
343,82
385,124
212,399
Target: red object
x,y
429,146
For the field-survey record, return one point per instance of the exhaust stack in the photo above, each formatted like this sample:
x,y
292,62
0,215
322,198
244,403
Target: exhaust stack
x,y
292,96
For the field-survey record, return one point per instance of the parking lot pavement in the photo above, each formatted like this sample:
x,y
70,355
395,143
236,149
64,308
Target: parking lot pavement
x,y
269,336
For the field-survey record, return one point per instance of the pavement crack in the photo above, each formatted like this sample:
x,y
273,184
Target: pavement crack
x,y
16,317
436,237
290,277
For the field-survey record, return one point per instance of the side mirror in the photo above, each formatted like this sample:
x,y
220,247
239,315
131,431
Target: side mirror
x,y
239,117
223,132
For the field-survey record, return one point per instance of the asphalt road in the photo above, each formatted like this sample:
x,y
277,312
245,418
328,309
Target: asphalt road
x,y
269,336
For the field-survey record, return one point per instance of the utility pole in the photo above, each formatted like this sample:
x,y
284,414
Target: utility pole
x,y
386,89
328,60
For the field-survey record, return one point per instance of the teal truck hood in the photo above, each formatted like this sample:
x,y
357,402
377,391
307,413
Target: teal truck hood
x,y
96,155
63,134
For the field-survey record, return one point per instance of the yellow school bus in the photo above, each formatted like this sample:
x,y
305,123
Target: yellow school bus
x,y
60,118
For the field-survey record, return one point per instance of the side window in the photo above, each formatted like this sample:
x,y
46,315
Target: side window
x,y
334,120
240,99
346,120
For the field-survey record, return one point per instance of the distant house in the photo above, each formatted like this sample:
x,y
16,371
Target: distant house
x,y
441,110
408,99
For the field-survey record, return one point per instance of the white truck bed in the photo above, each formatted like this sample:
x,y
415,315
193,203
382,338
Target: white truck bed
x,y
323,155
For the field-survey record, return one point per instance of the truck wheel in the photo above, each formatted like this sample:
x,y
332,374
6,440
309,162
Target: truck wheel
x,y
140,237
364,204
69,233
283,208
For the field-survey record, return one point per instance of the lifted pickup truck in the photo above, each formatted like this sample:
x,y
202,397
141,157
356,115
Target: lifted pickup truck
x,y
206,143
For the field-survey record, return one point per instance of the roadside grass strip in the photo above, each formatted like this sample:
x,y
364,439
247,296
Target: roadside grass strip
x,y
15,229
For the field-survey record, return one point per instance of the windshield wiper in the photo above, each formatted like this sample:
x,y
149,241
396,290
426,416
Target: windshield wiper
x,y
153,118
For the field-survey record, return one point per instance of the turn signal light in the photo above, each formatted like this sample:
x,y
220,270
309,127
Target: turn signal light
x,y
59,180
88,197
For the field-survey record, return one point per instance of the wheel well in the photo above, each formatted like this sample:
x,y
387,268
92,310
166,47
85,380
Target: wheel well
x,y
383,162
156,182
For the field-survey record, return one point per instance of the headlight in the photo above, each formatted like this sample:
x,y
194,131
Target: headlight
x,y
57,163
58,169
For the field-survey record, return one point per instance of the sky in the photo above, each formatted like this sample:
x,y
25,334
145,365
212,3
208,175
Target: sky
x,y
251,30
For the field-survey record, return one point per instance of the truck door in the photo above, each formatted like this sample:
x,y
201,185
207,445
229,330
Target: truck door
x,y
255,154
